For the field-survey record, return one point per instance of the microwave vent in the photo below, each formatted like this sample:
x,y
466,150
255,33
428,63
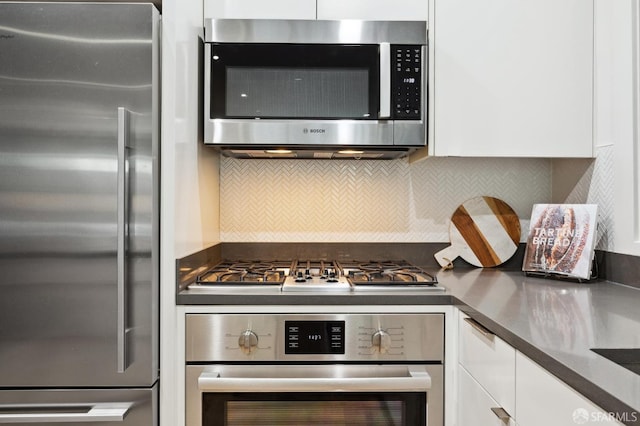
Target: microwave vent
x,y
304,154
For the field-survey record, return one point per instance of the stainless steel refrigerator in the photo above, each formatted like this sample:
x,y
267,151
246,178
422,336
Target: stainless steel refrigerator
x,y
79,217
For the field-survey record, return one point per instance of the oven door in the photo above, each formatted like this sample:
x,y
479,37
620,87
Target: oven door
x,y
353,395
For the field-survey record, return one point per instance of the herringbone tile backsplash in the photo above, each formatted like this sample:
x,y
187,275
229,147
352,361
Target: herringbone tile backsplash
x,y
593,184
367,200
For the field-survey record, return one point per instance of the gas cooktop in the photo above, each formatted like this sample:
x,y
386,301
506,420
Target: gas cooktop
x,y
318,275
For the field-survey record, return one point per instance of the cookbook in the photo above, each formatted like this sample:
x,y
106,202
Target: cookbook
x,y
561,240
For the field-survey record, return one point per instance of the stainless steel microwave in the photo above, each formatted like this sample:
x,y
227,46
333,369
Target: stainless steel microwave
x,y
315,89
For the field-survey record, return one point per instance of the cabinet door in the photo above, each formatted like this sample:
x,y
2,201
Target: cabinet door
x,y
542,399
475,406
381,10
490,360
255,9
513,78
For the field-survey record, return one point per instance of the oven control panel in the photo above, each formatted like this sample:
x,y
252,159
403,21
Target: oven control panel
x,y
314,337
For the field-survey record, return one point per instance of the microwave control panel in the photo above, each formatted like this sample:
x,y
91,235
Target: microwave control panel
x,y
406,81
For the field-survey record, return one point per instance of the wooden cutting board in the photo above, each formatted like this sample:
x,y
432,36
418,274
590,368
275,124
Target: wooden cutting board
x,y
484,231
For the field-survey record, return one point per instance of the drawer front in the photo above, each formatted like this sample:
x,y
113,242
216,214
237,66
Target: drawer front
x,y
82,407
475,405
489,360
543,399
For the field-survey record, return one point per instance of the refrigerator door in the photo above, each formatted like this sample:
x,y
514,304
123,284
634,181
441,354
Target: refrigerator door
x,y
78,195
100,407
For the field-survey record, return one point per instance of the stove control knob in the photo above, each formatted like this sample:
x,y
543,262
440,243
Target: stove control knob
x,y
248,342
381,341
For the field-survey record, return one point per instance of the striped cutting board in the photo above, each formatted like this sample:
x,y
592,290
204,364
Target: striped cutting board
x,y
484,231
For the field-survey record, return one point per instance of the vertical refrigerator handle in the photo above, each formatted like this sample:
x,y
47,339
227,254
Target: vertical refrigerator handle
x,y
123,237
385,81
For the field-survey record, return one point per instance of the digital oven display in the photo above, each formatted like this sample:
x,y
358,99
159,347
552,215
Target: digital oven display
x,y
314,337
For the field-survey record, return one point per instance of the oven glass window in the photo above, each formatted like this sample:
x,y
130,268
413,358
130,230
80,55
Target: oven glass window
x,y
327,409
313,81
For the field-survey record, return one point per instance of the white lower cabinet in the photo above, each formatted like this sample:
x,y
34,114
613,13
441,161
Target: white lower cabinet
x,y
490,360
497,385
543,399
476,406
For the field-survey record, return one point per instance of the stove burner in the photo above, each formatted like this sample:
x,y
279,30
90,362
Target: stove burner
x,y
312,270
320,275
389,273
315,275
244,273
384,275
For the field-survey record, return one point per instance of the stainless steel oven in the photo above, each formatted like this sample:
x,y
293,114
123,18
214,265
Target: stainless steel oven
x,y
314,369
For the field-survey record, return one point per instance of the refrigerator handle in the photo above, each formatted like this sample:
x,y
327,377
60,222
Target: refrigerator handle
x,y
102,412
123,236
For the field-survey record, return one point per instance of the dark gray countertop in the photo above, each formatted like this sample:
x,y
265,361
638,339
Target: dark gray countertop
x,y
556,323
553,322
276,297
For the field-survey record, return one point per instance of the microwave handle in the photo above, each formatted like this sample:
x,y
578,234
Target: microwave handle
x,y
385,81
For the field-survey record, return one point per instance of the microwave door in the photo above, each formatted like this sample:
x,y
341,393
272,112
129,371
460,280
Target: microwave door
x,y
296,82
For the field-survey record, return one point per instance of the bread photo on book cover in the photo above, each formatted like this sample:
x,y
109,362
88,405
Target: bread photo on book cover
x,y
561,240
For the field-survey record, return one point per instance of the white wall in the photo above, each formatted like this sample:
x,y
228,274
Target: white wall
x,y
288,200
189,195
611,181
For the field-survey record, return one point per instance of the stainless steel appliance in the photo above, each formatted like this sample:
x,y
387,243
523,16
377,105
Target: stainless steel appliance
x,y
315,89
316,275
79,128
314,369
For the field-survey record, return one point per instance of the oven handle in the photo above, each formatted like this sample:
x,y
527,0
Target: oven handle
x,y
416,380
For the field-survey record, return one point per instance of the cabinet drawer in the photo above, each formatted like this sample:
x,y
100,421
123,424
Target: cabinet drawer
x,y
490,360
475,405
87,407
544,399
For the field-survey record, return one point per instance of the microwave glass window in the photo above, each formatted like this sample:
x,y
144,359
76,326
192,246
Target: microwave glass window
x,y
297,92
295,81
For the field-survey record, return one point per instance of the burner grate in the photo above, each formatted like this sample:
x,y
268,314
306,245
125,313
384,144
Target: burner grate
x,y
246,273
387,273
315,275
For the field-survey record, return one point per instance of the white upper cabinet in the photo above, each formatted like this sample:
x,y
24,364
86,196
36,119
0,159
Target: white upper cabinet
x,y
260,9
374,10
512,78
